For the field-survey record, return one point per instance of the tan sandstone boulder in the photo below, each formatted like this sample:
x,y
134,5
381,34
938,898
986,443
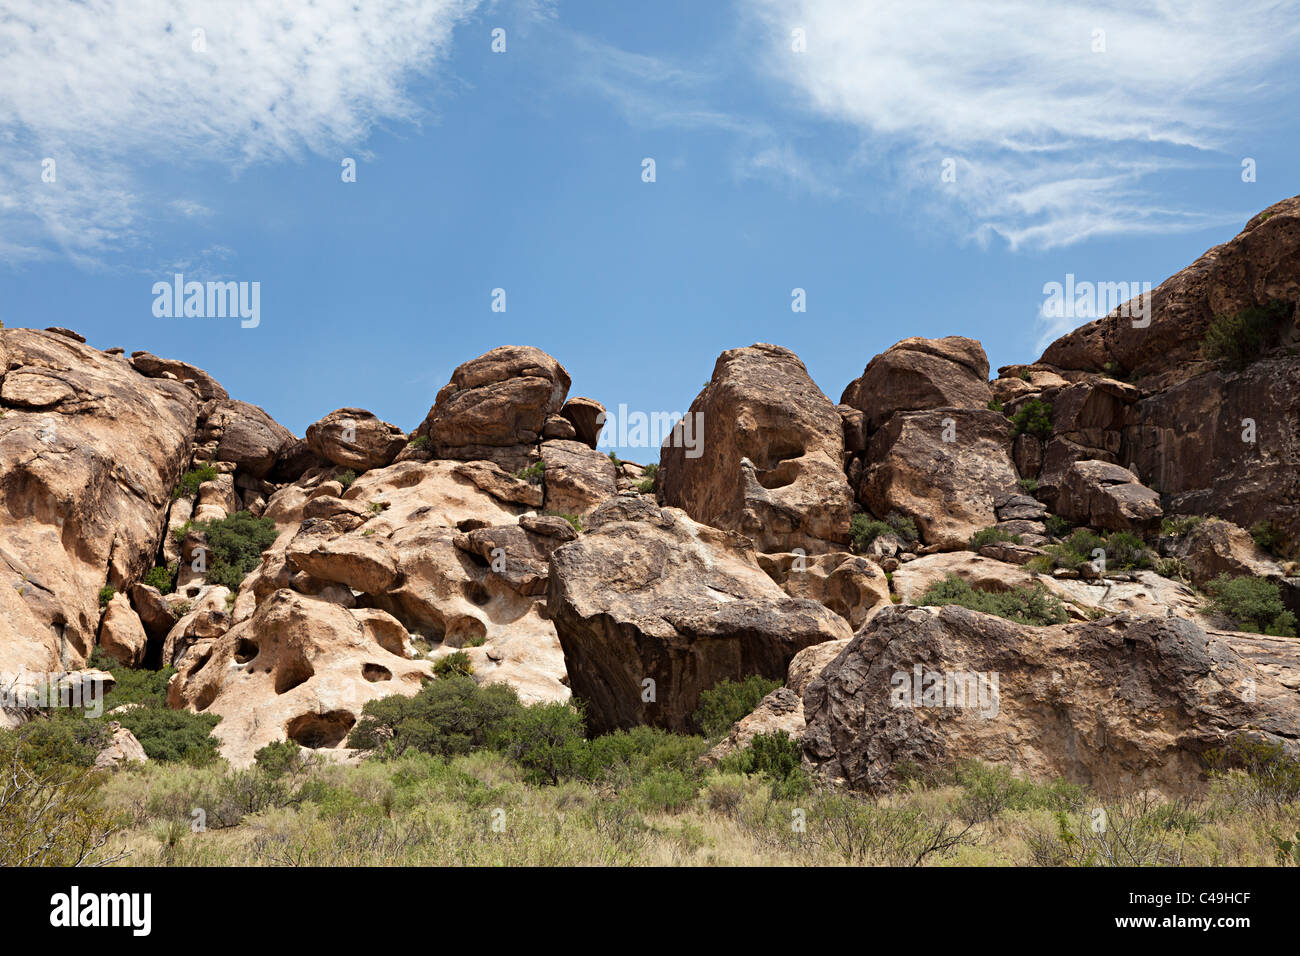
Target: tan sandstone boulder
x,y
354,438
918,374
1104,495
771,461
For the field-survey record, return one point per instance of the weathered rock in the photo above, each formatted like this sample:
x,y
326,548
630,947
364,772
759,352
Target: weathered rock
x,y
850,585
1104,495
648,594
496,405
121,634
771,460
85,481
557,426
362,564
1118,704
587,416
779,712
205,386
918,374
950,488
355,438
576,478
122,748
246,436
809,662
299,668
1215,547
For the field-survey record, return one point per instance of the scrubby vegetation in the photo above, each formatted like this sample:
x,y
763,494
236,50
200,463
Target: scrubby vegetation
x,y
533,473
1253,604
573,520
728,701
1238,339
1269,536
164,579
1024,605
537,792
188,486
235,546
1123,550
864,529
346,478
1034,417
991,536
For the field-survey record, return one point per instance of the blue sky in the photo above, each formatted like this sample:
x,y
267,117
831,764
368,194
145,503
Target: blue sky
x,y
1101,140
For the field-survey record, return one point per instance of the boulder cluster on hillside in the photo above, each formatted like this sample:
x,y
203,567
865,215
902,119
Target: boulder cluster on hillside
x,y
1066,539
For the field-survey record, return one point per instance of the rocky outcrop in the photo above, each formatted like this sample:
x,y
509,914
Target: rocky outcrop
x,y
496,406
1214,547
203,384
1118,704
354,438
244,435
652,608
1103,495
946,468
919,374
90,450
587,417
851,586
577,478
770,461
121,634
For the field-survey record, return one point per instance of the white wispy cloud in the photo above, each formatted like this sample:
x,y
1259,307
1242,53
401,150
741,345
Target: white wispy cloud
x,y
108,87
1055,141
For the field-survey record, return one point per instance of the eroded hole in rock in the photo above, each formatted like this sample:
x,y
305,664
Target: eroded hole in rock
x,y
200,664
376,672
206,697
779,450
290,672
245,651
320,730
477,593
779,477
465,631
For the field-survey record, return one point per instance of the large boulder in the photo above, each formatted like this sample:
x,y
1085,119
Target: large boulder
x,y
577,478
1104,495
121,635
354,438
1117,704
203,384
850,585
770,465
918,374
245,435
587,417
496,406
652,608
1214,547
87,465
947,468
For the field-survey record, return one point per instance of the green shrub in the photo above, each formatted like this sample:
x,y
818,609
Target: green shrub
x,y
188,486
1173,568
1057,526
59,740
777,757
728,702
988,790
106,594
864,529
1272,775
1178,525
547,742
346,478
164,579
646,486
419,441
1126,551
651,470
132,685
455,664
1028,485
573,520
533,473
1268,535
1033,418
450,716
628,755
281,757
990,535
235,546
1025,605
995,405
173,734
1239,339
1254,604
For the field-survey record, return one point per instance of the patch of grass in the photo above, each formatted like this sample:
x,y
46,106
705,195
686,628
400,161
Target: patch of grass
x,y
1025,605
1178,525
646,486
418,442
106,594
1238,339
728,702
1034,417
1124,551
1254,604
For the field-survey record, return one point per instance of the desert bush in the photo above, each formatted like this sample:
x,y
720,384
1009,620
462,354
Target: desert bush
x,y
863,832
1034,417
178,735
546,740
235,546
1025,605
1268,535
449,716
188,486
646,486
1179,525
164,579
777,758
106,594
1240,338
1257,775
455,664
1254,604
990,535
728,702
989,790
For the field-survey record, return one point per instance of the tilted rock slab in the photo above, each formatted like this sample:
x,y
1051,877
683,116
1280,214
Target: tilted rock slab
x,y
647,594
1115,704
